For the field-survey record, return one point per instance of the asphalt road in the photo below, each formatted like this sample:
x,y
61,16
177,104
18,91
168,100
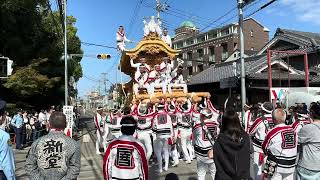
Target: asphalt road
x,y
91,164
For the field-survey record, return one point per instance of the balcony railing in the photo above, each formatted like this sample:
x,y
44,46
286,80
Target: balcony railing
x,y
212,58
189,63
225,55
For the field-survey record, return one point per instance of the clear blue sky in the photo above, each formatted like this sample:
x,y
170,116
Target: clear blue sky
x,y
98,21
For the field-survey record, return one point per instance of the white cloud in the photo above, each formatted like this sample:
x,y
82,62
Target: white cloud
x,y
304,10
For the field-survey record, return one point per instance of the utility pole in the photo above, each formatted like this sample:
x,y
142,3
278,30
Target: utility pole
x,y
99,87
242,73
65,55
158,9
104,78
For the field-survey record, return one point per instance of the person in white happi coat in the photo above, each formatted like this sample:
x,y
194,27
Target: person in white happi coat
x,y
258,132
114,124
141,76
300,121
144,127
172,111
176,80
184,116
166,37
100,124
154,81
162,126
121,39
247,118
202,143
164,71
280,147
125,157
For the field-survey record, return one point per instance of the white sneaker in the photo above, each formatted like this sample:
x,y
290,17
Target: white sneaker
x,y
165,169
98,152
159,171
188,162
175,164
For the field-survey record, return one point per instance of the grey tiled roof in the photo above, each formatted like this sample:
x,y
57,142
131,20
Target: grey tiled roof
x,y
301,34
252,65
226,70
282,76
315,79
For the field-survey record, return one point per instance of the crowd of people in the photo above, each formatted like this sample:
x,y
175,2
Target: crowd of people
x,y
52,154
266,144
26,127
270,142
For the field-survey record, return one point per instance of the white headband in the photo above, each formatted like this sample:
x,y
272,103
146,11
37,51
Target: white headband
x,y
128,125
264,109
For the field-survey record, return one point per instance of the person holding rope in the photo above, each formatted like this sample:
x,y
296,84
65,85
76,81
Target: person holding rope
x,y
204,132
162,127
258,132
184,116
99,123
144,127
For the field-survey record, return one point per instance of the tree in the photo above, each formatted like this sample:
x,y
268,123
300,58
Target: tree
x,y
32,36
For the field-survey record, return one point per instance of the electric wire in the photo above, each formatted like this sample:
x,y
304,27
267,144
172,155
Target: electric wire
x,y
134,16
99,45
54,20
261,8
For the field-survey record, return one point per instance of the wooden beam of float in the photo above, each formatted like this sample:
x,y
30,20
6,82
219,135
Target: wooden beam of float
x,y
152,48
155,97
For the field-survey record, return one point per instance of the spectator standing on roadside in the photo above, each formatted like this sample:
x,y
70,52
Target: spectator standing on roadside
x,y
24,128
36,128
54,156
7,167
4,123
8,119
232,149
309,139
44,121
17,123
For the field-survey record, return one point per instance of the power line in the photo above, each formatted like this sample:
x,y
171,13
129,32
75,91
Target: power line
x,y
219,18
177,14
195,18
262,7
190,14
134,16
53,19
60,11
99,45
234,16
90,78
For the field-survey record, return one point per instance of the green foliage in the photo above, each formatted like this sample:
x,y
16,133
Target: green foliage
x,y
27,81
32,37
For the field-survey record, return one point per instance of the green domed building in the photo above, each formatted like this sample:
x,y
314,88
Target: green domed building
x,y
186,28
187,24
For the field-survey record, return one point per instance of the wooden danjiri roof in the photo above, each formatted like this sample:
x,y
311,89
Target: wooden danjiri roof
x,y
152,48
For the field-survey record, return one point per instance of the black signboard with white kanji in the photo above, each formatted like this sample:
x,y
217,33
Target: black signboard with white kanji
x,y
124,158
288,139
